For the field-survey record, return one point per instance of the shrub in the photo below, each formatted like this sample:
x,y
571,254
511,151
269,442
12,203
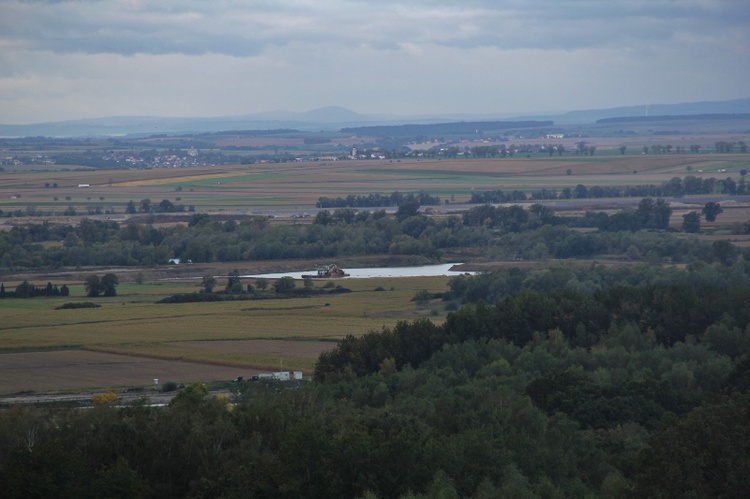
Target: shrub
x,y
284,285
105,399
82,304
169,386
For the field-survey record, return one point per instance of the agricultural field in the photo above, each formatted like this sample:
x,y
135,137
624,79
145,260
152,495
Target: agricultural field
x,y
217,339
59,371
294,188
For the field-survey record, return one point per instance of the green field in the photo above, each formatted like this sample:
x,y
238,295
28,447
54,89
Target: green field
x,y
132,323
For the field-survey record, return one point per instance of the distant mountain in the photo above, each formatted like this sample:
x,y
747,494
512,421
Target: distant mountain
x,y
330,114
334,118
724,117
327,119
735,106
333,114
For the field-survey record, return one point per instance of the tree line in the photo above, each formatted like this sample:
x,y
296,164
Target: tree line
x,y
377,200
675,187
284,287
500,232
29,290
94,285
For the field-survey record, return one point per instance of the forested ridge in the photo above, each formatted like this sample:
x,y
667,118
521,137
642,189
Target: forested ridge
x,y
556,382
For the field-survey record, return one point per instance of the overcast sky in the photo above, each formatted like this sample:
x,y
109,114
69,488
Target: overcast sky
x,y
63,60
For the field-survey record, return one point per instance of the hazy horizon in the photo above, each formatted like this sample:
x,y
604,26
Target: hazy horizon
x,y
65,60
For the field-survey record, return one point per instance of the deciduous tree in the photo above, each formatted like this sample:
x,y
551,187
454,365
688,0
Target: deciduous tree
x,y
208,283
711,210
93,285
109,284
691,222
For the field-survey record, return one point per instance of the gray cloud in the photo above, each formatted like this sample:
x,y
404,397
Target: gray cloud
x,y
245,28
67,58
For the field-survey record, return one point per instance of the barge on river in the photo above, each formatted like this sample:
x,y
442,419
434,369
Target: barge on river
x,y
327,272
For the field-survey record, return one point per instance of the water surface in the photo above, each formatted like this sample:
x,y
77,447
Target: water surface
x,y
443,269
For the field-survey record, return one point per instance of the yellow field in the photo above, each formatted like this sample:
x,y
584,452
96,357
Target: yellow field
x,y
177,179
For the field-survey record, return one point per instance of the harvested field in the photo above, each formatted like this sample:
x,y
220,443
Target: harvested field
x,y
83,370
301,349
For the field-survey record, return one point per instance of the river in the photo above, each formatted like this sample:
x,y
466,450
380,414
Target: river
x,y
365,273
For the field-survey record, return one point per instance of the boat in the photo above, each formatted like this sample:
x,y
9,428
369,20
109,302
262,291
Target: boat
x,y
327,272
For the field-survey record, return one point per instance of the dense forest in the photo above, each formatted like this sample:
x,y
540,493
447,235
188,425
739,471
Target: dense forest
x,y
570,382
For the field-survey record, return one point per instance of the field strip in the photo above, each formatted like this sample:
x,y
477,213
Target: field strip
x,y
114,321
266,309
249,354
184,178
